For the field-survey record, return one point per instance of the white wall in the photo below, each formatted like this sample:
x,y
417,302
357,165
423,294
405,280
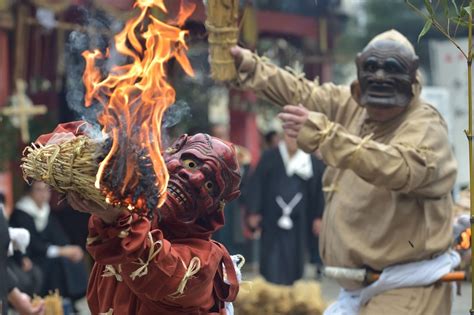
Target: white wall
x,y
449,70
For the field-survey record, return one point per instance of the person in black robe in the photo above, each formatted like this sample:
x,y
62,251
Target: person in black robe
x,y
61,264
8,283
282,194
315,218
4,242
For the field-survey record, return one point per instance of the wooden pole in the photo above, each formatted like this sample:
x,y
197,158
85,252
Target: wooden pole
x,y
21,43
449,277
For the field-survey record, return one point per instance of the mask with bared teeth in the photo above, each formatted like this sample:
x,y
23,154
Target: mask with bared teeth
x,y
386,70
204,175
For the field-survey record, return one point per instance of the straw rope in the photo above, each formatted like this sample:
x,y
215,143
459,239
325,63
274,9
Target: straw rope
x,y
110,271
359,147
109,312
241,261
155,248
92,240
191,271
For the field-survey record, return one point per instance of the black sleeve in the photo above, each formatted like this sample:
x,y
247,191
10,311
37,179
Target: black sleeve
x,y
4,242
55,233
245,172
255,184
316,195
38,246
12,280
4,235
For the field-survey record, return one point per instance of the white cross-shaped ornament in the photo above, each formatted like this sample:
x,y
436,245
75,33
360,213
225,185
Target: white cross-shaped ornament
x,y
22,109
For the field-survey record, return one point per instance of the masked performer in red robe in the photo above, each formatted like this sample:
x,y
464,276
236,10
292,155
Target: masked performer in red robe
x,y
168,264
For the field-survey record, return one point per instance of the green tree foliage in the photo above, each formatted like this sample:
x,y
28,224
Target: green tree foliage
x,y
460,15
378,16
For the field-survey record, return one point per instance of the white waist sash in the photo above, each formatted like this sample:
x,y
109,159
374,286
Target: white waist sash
x,y
415,274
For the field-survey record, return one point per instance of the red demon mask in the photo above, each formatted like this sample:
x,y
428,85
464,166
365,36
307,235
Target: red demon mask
x,y
204,175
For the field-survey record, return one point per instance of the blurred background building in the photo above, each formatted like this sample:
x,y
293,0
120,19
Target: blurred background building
x,y
41,43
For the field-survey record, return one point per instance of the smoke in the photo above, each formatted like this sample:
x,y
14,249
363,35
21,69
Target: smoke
x,y
79,41
74,68
176,113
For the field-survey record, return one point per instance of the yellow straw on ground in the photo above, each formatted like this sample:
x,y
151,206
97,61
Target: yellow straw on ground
x,y
302,298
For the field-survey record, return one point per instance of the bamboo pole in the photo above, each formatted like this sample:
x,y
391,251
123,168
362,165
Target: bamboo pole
x,y
469,138
469,56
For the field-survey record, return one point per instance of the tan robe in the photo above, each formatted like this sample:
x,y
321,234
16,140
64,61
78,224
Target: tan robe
x,y
388,185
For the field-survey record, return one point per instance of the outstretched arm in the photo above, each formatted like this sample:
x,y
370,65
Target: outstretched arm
x,y
283,87
415,158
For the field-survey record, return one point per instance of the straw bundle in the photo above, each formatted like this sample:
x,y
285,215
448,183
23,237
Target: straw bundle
x,y
69,166
303,298
222,26
53,303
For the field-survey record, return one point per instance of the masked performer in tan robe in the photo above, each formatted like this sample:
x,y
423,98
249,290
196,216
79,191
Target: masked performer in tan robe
x,y
390,167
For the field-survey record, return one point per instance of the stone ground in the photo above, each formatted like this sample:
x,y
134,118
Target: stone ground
x,y
330,290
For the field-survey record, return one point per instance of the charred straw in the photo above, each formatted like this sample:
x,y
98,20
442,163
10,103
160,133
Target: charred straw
x,y
72,166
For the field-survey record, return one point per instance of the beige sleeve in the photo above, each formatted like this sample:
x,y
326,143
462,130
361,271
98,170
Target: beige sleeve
x,y
282,87
411,163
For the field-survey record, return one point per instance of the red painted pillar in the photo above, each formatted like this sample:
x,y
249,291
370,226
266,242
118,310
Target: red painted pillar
x,y
4,68
5,174
326,72
243,123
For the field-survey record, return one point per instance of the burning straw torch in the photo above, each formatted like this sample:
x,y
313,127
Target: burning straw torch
x,y
124,165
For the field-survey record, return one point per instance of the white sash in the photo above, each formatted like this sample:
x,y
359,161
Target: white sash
x,y
415,274
285,222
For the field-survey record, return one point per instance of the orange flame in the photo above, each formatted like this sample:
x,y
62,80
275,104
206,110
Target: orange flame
x,y
464,240
134,98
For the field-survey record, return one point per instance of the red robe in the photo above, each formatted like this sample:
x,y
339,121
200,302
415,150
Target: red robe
x,y
134,245
204,293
